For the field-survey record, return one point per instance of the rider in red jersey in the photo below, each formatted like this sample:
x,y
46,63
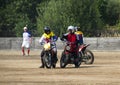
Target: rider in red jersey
x,y
71,37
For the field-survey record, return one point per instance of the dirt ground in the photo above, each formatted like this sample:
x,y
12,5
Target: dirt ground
x,y
24,70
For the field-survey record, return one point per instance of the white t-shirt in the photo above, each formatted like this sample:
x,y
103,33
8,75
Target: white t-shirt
x,y
26,36
26,40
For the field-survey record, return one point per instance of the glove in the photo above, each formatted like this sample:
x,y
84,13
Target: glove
x,y
41,43
61,39
55,38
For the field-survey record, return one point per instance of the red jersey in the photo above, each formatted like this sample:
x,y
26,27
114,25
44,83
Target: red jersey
x,y
72,38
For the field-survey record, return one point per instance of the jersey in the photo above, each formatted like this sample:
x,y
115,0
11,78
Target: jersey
x,y
80,34
26,36
72,38
46,37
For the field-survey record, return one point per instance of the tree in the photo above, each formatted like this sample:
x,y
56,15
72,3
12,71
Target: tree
x,y
90,15
27,16
7,18
54,13
110,11
59,14
15,14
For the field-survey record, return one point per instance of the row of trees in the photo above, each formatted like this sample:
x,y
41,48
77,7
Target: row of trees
x,y
90,15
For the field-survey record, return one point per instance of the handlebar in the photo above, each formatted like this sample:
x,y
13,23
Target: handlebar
x,y
85,45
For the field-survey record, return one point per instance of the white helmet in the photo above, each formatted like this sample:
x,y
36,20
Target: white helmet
x,y
25,28
71,28
76,28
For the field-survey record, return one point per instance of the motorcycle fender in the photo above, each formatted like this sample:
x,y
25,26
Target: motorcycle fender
x,y
66,52
80,49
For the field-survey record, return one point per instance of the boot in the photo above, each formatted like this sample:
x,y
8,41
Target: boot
x,y
42,66
55,61
55,58
54,65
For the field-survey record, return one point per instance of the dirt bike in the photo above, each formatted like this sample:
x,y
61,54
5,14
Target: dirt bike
x,y
86,55
48,59
83,55
70,56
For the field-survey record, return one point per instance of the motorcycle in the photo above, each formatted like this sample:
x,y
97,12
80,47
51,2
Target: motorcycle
x,y
86,55
77,56
70,56
48,57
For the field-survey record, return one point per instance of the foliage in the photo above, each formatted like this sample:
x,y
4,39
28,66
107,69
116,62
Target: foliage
x,y
15,15
59,14
90,15
54,14
110,11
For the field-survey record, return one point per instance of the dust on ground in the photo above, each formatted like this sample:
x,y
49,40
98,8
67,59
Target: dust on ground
x,y
16,69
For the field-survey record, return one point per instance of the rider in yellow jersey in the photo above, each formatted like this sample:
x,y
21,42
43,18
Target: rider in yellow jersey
x,y
80,34
48,36
51,34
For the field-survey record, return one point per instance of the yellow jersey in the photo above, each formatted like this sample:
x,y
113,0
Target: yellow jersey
x,y
79,33
48,35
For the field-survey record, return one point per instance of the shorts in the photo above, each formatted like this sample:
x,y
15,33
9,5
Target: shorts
x,y
26,44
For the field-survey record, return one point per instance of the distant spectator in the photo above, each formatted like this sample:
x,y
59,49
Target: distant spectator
x,y
26,41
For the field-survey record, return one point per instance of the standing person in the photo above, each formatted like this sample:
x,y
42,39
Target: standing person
x,y
49,36
26,41
80,34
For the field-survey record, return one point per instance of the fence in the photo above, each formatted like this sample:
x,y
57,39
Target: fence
x,y
97,43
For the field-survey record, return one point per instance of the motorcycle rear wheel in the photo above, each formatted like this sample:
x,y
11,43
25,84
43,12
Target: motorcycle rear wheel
x,y
89,57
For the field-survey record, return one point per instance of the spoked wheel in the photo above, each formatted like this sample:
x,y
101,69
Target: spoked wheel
x,y
63,60
88,57
47,60
78,61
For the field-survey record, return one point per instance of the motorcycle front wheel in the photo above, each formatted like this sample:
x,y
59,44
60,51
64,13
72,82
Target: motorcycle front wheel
x,y
63,60
78,61
47,60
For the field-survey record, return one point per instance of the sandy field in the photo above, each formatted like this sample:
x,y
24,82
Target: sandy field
x,y
16,69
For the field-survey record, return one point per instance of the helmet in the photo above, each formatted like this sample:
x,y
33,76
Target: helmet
x,y
71,28
25,28
46,29
77,28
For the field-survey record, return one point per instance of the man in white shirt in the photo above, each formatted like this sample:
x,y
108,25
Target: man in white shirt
x,y
26,41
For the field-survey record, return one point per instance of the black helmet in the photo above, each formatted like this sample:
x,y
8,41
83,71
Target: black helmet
x,y
46,29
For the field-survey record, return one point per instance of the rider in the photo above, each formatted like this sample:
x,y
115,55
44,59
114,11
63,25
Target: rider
x,y
80,34
48,36
71,37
